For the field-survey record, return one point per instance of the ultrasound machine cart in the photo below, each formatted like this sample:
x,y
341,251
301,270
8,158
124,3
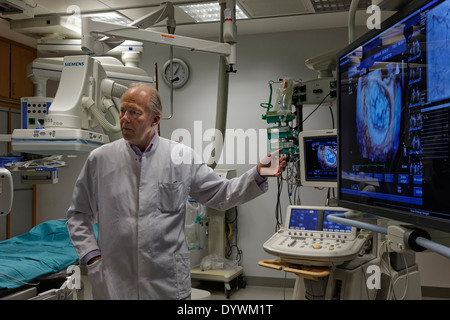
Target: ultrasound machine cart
x,y
331,260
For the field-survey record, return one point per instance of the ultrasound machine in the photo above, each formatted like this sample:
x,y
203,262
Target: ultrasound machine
x,y
393,166
310,239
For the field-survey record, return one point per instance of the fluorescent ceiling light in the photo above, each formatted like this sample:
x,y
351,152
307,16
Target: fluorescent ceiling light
x,y
110,17
208,12
321,6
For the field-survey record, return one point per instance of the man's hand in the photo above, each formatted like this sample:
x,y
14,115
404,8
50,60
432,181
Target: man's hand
x,y
272,165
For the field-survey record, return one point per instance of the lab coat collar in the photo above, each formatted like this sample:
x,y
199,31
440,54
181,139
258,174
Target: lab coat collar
x,y
139,153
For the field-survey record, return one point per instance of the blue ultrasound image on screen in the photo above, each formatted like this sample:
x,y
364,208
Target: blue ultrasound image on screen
x,y
378,109
303,219
438,52
326,157
321,158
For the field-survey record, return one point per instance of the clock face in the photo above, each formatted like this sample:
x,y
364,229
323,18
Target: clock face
x,y
180,73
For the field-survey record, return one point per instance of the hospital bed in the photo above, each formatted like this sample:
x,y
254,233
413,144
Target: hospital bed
x,y
34,265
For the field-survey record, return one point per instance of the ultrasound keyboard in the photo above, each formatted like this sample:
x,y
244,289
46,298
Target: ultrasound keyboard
x,y
310,239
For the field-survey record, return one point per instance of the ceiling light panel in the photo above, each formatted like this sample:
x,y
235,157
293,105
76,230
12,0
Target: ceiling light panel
x,y
110,17
321,6
278,8
208,12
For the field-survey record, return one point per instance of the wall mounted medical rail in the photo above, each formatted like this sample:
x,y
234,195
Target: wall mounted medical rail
x,y
401,238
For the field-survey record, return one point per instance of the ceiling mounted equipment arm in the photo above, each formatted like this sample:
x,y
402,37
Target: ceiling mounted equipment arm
x,y
153,18
166,11
93,39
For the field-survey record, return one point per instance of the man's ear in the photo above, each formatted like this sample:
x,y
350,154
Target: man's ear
x,y
156,120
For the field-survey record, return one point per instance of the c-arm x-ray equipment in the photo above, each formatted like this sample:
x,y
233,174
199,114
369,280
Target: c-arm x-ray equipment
x,y
85,97
82,80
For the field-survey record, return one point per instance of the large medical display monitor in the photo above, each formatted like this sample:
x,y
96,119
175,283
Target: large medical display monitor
x,y
394,104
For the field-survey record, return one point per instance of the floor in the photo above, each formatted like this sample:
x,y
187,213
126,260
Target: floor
x,y
216,291
249,293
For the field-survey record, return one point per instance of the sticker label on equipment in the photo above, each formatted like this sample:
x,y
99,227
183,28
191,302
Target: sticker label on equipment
x,y
167,38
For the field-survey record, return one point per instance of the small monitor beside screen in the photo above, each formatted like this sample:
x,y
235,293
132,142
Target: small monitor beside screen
x,y
318,158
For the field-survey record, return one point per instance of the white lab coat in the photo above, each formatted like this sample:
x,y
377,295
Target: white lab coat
x,y
140,210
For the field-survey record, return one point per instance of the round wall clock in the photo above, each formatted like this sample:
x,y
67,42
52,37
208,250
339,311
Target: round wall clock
x,y
180,73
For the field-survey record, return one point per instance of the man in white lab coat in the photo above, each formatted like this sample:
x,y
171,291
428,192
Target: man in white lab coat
x,y
136,189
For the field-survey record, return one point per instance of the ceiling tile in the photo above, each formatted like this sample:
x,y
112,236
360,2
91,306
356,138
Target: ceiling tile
x,y
140,3
66,6
270,8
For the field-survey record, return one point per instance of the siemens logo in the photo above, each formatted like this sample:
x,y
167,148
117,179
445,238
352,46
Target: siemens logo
x,y
73,64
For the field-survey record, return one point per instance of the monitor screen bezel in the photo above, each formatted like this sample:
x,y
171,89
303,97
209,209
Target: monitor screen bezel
x,y
329,133
388,213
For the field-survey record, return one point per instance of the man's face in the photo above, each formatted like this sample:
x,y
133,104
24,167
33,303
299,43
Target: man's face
x,y
136,121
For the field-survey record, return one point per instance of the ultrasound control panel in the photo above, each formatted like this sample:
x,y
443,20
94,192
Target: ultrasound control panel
x,y
310,239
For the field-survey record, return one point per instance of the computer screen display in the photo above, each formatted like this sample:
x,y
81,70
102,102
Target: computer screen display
x,y
318,158
315,219
393,127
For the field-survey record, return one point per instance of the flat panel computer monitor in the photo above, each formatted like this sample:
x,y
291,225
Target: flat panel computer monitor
x,y
393,127
318,158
